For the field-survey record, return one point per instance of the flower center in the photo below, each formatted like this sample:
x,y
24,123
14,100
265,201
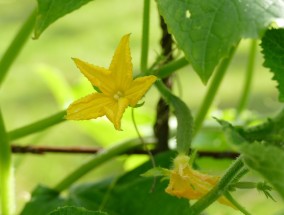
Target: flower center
x,y
118,95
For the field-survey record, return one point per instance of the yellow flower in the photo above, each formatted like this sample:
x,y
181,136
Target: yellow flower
x,y
118,89
188,183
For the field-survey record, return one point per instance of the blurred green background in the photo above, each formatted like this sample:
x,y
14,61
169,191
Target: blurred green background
x,y
44,80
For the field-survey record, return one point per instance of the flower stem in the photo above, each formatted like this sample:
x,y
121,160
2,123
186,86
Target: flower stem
x,y
37,126
212,90
99,159
248,81
145,36
16,46
219,189
6,172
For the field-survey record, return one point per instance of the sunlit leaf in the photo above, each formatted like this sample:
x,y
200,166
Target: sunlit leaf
x,y
207,30
51,10
273,51
156,171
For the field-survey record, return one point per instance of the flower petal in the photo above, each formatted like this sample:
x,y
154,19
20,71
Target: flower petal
x,y
98,76
188,183
121,66
89,107
115,111
138,88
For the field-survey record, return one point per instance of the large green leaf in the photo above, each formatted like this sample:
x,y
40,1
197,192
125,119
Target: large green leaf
x,y
130,194
267,160
51,10
71,210
207,30
273,51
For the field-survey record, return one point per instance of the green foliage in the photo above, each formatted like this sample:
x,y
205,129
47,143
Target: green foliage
x,y
51,10
129,194
207,30
70,210
44,200
267,160
273,50
208,33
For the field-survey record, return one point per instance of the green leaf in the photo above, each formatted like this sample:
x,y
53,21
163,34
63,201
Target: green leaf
x,y
231,133
129,194
207,30
51,10
156,171
183,114
71,210
267,160
43,200
273,50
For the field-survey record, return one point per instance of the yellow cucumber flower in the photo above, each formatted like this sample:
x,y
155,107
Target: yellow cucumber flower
x,y
118,89
191,184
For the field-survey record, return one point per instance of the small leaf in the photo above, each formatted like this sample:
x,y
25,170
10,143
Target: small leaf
x,y
207,30
157,171
231,133
273,51
71,210
51,10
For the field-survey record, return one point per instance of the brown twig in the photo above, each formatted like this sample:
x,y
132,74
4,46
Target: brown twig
x,y
161,127
46,149
93,150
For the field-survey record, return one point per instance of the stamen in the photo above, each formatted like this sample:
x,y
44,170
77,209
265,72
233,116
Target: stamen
x,y
118,95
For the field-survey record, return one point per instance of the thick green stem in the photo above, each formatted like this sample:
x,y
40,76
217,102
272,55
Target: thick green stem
x,y
16,46
145,36
37,126
96,161
212,90
6,172
249,74
219,189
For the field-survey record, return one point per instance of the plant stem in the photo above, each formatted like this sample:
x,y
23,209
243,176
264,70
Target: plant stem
x,y
212,90
219,189
6,172
170,67
145,36
236,204
249,73
37,126
99,159
16,46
